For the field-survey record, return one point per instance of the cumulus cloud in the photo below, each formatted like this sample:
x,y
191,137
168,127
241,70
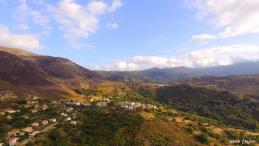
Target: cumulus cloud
x,y
235,17
25,14
78,21
23,41
222,55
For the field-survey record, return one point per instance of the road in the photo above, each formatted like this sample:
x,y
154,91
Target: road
x,y
24,142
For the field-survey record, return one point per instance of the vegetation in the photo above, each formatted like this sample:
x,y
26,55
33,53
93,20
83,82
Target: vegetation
x,y
203,138
98,128
221,106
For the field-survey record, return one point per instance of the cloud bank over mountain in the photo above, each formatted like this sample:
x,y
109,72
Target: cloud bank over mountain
x,y
221,55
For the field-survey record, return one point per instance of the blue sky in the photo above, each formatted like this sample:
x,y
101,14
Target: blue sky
x,y
134,34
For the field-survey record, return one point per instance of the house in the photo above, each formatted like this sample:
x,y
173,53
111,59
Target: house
x,y
69,109
44,107
101,104
77,103
138,105
13,141
131,108
21,133
27,129
53,120
149,106
45,122
106,100
27,106
73,123
35,98
68,119
34,110
63,115
35,124
54,102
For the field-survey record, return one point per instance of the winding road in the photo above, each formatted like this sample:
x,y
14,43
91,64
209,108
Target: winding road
x,y
24,142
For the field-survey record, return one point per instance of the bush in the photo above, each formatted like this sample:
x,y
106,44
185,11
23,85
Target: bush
x,y
203,138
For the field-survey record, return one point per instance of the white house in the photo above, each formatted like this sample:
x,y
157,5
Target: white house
x,y
44,107
69,109
13,141
45,122
63,115
68,119
73,123
35,124
27,129
53,120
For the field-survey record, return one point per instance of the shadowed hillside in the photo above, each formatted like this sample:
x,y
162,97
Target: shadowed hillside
x,y
219,105
42,73
244,85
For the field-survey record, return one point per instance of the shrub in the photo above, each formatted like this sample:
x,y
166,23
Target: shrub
x,y
203,138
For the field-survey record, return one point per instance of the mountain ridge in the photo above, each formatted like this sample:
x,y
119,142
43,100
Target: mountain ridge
x,y
164,75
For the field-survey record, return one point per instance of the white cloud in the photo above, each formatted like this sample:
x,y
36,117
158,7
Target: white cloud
x,y
203,38
23,27
235,17
116,4
22,41
25,14
74,19
112,25
78,21
222,55
97,7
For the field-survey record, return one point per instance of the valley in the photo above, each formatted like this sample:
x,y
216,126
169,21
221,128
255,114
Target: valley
x,y
52,101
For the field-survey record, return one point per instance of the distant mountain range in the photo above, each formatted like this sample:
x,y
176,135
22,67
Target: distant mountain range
x,y
164,75
23,71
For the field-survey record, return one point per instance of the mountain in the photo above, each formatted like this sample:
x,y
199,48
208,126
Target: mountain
x,y
23,71
163,75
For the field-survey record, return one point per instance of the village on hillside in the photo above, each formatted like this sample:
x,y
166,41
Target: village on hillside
x,y
37,116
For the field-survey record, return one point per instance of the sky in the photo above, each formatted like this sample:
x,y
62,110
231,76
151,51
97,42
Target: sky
x,y
126,35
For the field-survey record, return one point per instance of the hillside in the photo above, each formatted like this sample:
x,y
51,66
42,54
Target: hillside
x,y
42,74
242,85
165,75
218,105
